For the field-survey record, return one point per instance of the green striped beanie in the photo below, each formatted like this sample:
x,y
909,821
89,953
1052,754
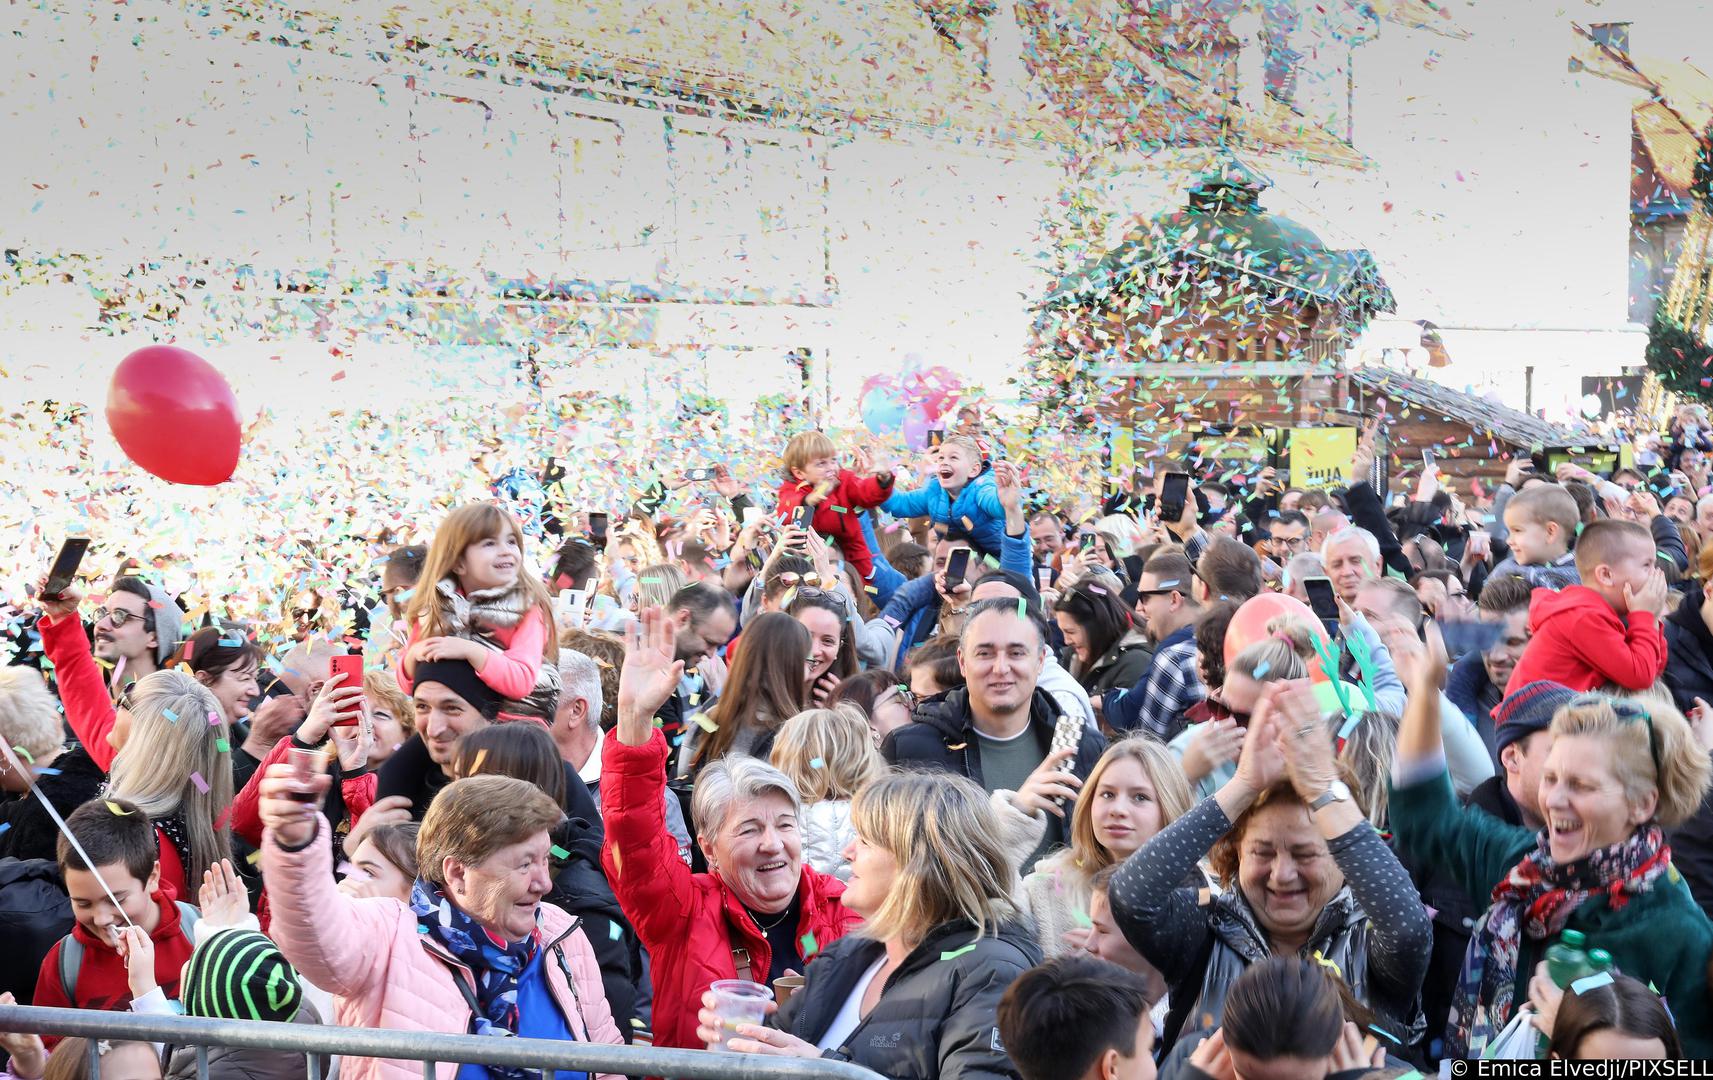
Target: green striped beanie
x,y
240,975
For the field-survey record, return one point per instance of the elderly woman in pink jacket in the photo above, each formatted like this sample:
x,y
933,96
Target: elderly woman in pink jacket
x,y
475,951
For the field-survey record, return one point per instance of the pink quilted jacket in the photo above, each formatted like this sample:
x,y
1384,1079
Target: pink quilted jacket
x,y
368,955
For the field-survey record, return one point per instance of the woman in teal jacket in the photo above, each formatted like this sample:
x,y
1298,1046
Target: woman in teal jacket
x,y
1619,772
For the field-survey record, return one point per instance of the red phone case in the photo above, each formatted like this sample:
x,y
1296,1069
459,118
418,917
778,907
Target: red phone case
x,y
351,666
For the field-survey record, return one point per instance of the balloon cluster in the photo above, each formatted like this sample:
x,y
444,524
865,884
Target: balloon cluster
x,y
911,402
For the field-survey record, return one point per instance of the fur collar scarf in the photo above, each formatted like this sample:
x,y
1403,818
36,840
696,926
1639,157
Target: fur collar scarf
x,y
467,615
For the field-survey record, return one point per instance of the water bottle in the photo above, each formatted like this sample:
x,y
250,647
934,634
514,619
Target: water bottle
x,y
1567,960
1601,960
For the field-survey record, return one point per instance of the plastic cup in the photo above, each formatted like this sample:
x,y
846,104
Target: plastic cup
x,y
738,1001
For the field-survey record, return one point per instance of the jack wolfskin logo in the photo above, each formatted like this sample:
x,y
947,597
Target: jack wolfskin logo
x,y
997,1046
886,1042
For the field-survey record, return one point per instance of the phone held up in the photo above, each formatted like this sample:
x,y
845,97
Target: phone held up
x,y
1323,601
349,665
65,566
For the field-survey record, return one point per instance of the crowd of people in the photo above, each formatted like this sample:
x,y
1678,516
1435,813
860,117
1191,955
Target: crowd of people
x,y
903,765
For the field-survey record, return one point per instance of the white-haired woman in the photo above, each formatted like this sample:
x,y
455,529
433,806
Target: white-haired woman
x,y
759,911
913,995
30,724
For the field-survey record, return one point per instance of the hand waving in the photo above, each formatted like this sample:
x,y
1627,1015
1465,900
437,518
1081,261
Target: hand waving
x,y
223,900
649,677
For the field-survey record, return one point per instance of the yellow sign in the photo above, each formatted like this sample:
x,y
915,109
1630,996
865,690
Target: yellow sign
x,y
1320,456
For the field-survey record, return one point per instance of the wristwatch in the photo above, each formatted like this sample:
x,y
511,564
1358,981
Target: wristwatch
x,y
1337,792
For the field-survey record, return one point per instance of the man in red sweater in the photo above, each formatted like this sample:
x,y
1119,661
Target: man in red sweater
x,y
123,853
1605,630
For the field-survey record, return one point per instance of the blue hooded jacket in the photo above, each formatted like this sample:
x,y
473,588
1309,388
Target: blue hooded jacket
x,y
977,504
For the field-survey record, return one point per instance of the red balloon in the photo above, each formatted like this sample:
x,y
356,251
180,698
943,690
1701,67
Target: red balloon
x,y
175,416
1249,625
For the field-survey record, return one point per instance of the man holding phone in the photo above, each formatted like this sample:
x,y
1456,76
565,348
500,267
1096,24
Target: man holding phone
x,y
1168,610
136,629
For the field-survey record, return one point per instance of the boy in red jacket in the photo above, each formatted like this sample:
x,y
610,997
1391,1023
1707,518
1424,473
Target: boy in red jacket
x,y
123,850
838,496
1605,630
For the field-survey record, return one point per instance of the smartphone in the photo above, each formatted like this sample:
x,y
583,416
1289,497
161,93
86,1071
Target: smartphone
x,y
1043,577
1428,463
65,566
957,565
751,514
1087,541
1322,599
349,665
801,516
699,474
1173,491
598,526
305,764
936,436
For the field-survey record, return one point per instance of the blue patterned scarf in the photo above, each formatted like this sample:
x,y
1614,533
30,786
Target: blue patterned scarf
x,y
495,964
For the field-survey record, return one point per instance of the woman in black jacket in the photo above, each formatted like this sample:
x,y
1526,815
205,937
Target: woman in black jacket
x,y
915,994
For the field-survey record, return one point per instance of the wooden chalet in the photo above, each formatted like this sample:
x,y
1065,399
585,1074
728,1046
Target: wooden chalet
x,y
1218,315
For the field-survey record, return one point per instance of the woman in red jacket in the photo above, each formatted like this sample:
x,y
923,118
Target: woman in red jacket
x,y
759,911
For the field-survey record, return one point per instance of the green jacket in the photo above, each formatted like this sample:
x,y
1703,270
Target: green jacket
x,y
1660,937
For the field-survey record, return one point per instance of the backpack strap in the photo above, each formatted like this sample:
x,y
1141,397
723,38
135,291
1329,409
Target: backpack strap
x,y
188,917
70,963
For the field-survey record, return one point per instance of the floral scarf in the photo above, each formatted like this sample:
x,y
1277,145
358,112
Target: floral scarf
x,y
1537,898
495,964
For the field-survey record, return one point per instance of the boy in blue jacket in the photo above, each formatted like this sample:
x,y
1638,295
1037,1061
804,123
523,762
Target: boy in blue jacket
x,y
962,498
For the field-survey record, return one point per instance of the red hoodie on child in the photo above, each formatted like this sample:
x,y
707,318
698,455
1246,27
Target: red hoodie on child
x,y
836,515
1579,641
101,980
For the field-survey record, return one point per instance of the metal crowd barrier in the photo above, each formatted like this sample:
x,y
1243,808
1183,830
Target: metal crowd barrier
x,y
537,1055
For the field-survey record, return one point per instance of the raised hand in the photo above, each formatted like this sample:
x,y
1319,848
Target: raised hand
x,y
222,898
66,604
1008,485
725,483
334,700
289,806
1302,739
649,676
1212,745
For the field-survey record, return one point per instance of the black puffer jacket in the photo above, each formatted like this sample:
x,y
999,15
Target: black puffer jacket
x,y
937,1016
34,915
580,888
943,737
30,832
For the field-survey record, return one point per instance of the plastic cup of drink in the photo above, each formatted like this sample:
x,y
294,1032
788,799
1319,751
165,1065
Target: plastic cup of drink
x,y
738,1001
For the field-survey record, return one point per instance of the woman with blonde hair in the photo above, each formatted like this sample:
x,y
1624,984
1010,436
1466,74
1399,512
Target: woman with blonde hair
x,y
174,763
1618,774
829,754
914,993
1136,789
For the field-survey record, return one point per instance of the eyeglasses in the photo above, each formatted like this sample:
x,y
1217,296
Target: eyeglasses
x,y
792,579
897,693
1629,712
120,616
1290,543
